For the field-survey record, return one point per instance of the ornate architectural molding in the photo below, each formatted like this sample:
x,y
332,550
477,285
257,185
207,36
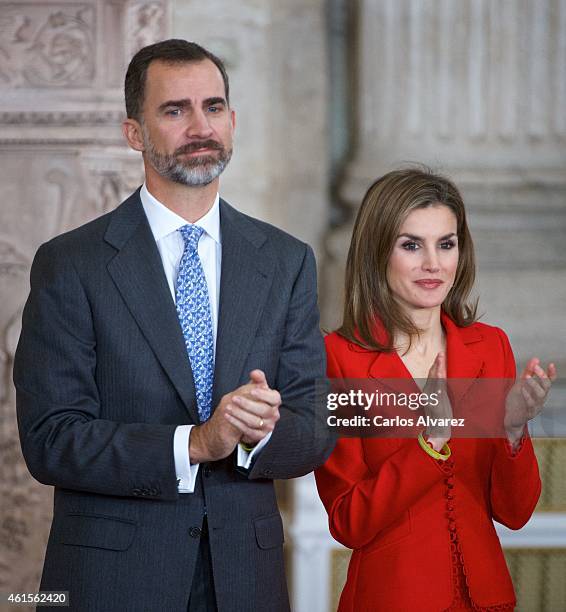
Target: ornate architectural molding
x,y
84,118
62,63
145,23
473,87
62,161
47,44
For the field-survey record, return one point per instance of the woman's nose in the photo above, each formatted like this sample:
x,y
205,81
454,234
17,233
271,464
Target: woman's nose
x,y
430,261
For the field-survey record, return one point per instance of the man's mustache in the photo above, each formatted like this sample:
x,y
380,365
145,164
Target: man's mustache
x,y
191,147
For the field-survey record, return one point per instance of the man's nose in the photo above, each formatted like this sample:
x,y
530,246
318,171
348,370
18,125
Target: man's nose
x,y
199,126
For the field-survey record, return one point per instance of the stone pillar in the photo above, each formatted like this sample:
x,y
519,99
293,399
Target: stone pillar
x,y
477,90
62,162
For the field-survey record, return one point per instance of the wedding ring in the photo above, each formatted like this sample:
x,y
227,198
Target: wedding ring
x,y
260,423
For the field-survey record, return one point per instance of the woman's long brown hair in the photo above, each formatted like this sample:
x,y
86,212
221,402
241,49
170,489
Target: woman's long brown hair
x,y
368,297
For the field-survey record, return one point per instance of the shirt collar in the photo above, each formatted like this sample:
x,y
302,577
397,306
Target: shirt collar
x,y
163,221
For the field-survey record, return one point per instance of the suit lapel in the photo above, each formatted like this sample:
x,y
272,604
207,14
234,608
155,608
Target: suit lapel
x,y
138,273
388,366
392,374
463,365
247,275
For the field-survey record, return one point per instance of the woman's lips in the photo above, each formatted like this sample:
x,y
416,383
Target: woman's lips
x,y
429,283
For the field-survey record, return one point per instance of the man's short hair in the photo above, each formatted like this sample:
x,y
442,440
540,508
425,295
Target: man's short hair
x,y
172,51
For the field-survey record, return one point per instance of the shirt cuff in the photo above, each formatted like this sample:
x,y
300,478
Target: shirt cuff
x,y
186,473
245,458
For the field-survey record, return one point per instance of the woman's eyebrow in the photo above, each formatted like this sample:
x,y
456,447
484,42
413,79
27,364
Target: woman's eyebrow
x,y
415,237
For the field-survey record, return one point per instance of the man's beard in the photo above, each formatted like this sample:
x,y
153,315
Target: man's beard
x,y
193,171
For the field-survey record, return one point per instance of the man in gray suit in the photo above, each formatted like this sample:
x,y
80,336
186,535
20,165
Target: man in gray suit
x,y
166,368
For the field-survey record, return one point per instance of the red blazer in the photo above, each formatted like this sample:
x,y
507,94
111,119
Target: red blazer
x,y
397,507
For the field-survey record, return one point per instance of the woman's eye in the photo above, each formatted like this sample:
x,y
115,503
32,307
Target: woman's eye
x,y
447,244
410,245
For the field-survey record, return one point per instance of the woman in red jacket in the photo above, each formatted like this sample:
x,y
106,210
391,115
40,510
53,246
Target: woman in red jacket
x,y
419,512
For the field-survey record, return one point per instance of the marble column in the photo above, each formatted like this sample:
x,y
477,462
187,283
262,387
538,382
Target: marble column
x,y
477,90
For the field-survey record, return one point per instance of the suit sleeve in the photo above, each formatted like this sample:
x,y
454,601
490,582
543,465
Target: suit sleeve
x,y
360,502
515,481
64,440
300,440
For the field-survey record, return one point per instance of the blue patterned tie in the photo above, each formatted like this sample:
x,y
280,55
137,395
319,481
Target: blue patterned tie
x,y
193,308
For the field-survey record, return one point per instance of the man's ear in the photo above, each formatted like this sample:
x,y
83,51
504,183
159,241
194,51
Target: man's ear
x,y
132,131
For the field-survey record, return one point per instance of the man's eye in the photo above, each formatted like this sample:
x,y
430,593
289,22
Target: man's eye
x,y
410,245
214,109
173,112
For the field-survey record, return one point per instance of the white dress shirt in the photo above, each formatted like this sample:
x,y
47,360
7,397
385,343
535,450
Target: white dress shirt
x,y
164,224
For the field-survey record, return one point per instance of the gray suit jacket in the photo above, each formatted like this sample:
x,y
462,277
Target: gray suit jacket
x,y
103,379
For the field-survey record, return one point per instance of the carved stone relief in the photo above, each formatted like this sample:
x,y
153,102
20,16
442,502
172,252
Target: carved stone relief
x,y
62,162
113,174
14,267
145,24
25,509
47,44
